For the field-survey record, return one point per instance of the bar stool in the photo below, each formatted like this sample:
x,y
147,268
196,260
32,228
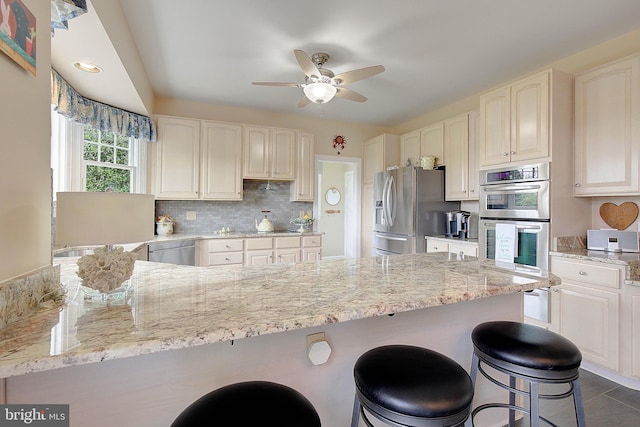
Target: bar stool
x,y
411,387
532,354
250,404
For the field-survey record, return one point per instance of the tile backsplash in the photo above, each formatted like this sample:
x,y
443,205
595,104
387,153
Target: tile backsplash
x,y
239,215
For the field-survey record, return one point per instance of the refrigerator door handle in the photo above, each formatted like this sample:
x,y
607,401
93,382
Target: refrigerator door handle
x,y
391,201
385,201
399,239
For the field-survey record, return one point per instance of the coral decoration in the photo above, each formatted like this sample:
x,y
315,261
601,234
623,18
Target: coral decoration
x,y
105,270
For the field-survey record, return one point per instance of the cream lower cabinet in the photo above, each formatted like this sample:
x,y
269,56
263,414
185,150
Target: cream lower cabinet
x,y
258,250
458,248
311,248
586,308
216,252
631,338
607,129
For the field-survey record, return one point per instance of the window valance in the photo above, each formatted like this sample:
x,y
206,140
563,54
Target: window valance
x,y
101,116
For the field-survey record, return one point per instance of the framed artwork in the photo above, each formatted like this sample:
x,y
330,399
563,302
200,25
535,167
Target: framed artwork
x,y
18,33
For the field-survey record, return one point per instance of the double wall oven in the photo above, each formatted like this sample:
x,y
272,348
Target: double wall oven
x,y
519,196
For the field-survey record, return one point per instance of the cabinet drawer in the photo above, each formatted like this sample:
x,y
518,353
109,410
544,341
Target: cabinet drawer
x,y
587,272
259,243
287,242
311,241
225,245
226,258
464,249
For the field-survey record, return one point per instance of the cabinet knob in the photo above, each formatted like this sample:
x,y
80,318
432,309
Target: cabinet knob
x,y
513,152
473,191
505,154
577,184
582,273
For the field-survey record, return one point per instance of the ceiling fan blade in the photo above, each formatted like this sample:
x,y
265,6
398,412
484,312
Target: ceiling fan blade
x,y
345,93
307,65
304,101
359,74
277,84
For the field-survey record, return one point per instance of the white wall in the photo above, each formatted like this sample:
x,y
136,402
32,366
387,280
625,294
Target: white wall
x,y
25,177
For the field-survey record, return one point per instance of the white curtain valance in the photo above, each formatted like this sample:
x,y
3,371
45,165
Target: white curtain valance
x,y
101,116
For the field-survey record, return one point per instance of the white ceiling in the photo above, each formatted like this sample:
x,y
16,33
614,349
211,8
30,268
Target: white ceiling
x,y
435,51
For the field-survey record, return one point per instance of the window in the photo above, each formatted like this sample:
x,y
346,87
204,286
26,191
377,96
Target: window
x,y
86,159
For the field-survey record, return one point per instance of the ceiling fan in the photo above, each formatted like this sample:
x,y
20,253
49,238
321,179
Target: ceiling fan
x,y
321,84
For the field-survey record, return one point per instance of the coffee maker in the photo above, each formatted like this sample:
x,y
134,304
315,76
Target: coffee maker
x,y
458,224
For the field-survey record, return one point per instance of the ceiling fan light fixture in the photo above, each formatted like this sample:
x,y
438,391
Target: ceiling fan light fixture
x,y
319,92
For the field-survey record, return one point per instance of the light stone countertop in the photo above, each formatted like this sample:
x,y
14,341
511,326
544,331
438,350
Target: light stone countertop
x,y
172,307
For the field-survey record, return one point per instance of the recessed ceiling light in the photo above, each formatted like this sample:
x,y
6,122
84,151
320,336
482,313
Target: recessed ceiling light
x,y
86,67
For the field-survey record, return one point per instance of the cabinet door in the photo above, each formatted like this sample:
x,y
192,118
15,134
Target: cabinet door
x,y
432,143
175,158
495,127
589,318
437,246
367,220
287,256
303,188
221,161
256,152
607,129
463,249
474,143
410,148
456,132
634,317
373,158
530,118
311,254
282,154
258,257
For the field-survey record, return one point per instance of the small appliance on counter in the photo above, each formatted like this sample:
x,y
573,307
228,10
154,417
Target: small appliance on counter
x,y
458,224
265,226
610,240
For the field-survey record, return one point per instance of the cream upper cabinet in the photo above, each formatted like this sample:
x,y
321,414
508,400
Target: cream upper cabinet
x,y
432,143
174,159
221,161
410,148
515,122
380,152
428,141
269,153
456,132
607,129
303,188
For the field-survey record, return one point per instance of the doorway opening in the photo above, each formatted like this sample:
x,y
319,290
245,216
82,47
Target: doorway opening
x,y
337,210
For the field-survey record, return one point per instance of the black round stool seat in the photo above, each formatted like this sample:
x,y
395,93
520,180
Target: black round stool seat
x,y
250,404
533,355
413,386
526,345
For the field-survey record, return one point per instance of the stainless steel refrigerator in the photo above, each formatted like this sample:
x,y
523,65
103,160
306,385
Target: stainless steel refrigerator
x,y
409,204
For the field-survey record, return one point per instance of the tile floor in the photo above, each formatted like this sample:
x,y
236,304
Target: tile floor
x,y
606,404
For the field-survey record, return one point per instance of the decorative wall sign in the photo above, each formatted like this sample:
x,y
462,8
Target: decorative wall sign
x,y
18,33
339,141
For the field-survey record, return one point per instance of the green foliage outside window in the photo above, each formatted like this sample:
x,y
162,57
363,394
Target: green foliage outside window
x,y
107,158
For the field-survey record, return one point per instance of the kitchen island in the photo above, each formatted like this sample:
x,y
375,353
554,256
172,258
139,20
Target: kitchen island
x,y
195,329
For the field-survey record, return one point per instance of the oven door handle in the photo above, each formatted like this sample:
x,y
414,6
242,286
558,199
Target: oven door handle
x,y
511,188
518,227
